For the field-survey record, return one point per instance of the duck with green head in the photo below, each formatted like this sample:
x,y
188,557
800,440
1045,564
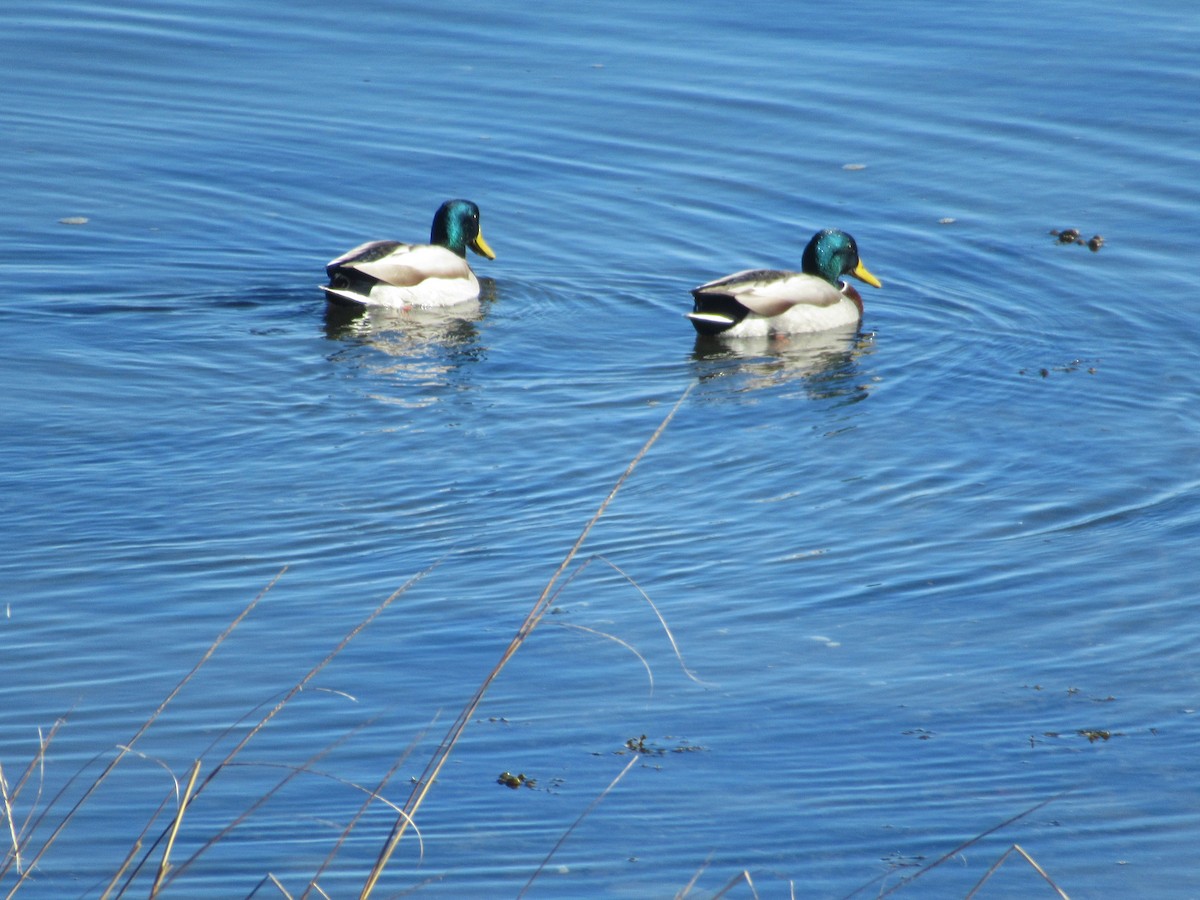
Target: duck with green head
x,y
759,302
396,275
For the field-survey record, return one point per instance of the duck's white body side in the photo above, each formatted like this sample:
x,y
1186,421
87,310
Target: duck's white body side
x,y
777,302
396,275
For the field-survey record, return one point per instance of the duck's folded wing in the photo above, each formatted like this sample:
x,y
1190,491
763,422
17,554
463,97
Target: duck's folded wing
x,y
770,292
402,265
371,250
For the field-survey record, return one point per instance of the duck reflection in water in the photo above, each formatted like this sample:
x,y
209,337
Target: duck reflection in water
x,y
825,364
421,344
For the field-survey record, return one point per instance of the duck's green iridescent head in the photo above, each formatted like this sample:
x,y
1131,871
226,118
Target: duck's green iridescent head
x,y
831,254
456,227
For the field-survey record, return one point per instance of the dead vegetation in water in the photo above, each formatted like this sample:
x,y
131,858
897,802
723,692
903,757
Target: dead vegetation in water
x,y
1075,236
151,863
1090,366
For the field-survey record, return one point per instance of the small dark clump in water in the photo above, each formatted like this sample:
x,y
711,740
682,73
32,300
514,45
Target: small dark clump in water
x,y
1073,236
508,779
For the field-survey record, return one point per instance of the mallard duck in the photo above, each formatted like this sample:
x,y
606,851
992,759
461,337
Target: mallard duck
x,y
758,302
389,273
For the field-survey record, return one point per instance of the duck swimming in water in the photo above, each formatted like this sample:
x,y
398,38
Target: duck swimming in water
x,y
758,302
396,275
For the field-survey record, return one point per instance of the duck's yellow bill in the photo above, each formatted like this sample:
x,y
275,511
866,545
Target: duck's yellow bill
x,y
480,246
860,272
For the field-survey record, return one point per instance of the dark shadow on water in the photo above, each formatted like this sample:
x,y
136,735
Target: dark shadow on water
x,y
825,365
106,300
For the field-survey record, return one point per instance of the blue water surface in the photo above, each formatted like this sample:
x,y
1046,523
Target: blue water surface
x,y
928,587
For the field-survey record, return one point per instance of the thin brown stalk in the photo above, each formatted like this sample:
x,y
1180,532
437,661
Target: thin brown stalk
x,y
296,689
293,771
283,891
133,851
687,888
270,877
950,854
988,874
141,838
47,809
163,834
145,727
616,640
275,881
132,873
1029,859
531,621
306,769
743,875
666,628
312,673
158,762
8,817
377,793
37,764
1016,848
583,815
165,865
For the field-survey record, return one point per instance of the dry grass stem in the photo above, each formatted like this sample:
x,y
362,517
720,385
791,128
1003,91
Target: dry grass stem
x,y
687,888
15,850
583,815
141,841
37,764
306,769
112,883
950,854
158,762
740,876
293,771
141,838
1016,848
165,873
616,640
666,629
287,698
269,877
141,731
531,621
165,864
312,673
377,793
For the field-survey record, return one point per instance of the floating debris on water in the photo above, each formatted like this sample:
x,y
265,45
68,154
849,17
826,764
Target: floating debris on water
x,y
853,167
947,221
73,220
898,861
1073,236
508,779
639,746
1075,365
1092,735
